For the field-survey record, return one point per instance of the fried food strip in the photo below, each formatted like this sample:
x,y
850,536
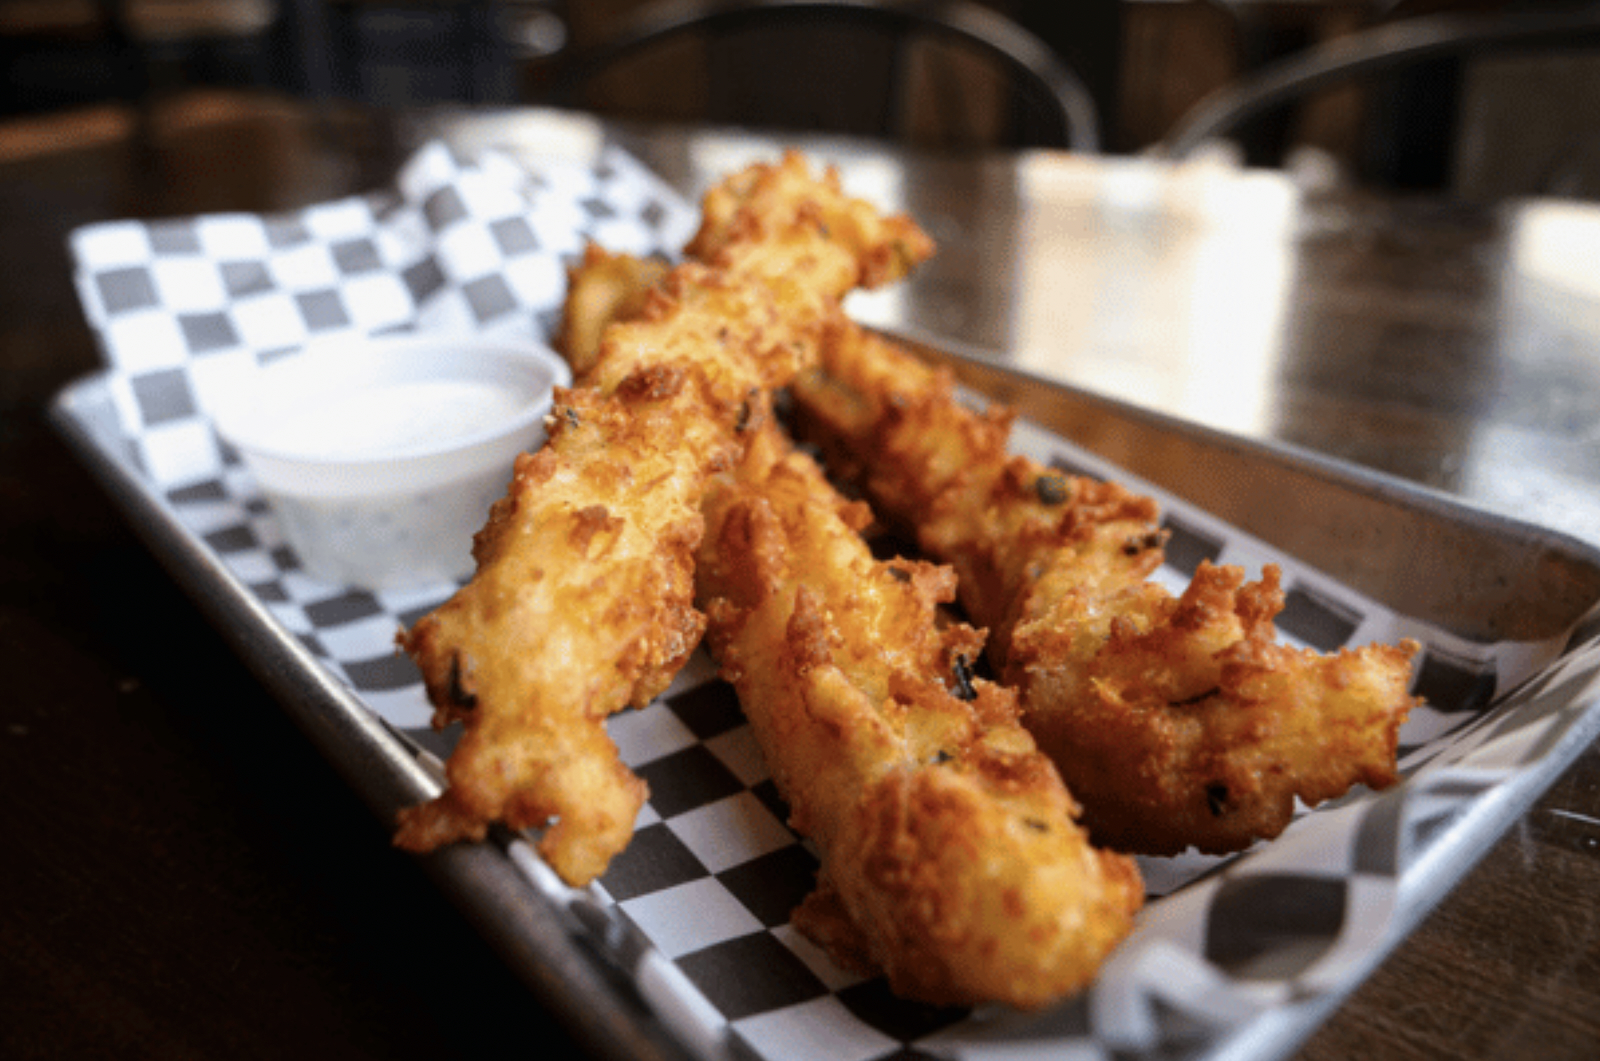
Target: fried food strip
x,y
885,249
582,601
801,239
581,604
602,287
951,858
1177,722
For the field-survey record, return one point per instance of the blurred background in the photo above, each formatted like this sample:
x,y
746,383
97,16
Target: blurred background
x,y
1481,119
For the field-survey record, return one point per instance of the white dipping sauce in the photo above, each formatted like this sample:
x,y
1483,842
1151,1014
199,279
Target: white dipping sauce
x,y
410,535
381,459
393,541
395,418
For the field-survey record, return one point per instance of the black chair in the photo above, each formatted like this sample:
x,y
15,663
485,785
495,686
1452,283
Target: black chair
x,y
853,78
1371,55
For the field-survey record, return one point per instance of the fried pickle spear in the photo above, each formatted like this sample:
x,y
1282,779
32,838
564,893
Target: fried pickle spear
x,y
582,600
951,860
1177,722
601,288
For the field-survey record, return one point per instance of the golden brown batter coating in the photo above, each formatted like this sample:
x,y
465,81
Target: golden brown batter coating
x,y
581,603
884,249
951,860
602,287
1176,722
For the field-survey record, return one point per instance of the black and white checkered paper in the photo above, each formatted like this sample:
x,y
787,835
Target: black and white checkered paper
x,y
697,908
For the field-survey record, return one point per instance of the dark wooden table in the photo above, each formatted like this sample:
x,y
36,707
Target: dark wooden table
x,y
185,877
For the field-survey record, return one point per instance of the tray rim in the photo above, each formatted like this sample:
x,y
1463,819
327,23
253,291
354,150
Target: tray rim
x,y
574,982
979,368
1357,476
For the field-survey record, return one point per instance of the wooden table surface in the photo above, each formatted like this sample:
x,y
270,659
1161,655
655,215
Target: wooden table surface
x,y
186,877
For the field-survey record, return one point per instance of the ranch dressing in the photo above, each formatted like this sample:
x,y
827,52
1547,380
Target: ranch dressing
x,y
395,418
380,460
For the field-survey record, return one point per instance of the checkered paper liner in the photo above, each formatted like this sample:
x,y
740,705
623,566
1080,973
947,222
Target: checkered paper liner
x,y
697,908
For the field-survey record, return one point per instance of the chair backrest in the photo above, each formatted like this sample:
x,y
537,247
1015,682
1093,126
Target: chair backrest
x,y
1046,87
1381,50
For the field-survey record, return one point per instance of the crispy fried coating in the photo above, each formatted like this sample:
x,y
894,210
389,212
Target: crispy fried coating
x,y
582,600
885,248
951,858
1176,722
581,605
796,234
601,287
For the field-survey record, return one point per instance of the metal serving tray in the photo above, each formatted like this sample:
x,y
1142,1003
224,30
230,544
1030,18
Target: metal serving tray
x,y
1476,577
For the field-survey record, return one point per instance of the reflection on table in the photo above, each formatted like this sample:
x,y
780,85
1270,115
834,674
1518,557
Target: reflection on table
x,y
1453,346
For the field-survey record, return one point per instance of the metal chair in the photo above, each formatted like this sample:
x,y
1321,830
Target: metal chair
x,y
1060,108
1387,49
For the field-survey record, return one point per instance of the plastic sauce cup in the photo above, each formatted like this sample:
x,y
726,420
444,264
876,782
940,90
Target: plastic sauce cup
x,y
381,457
